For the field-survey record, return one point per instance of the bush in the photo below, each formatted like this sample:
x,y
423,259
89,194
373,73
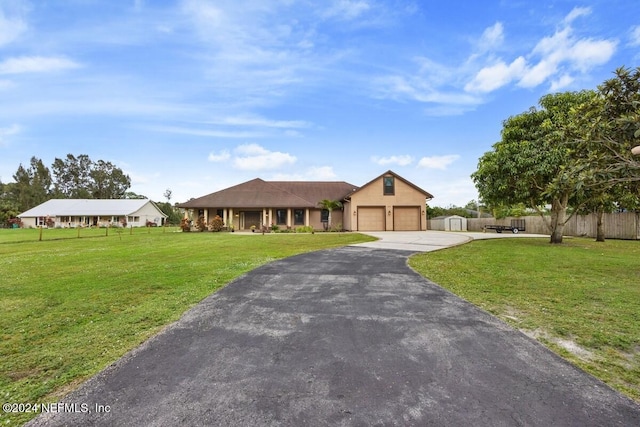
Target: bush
x,y
200,224
275,227
216,224
304,229
185,225
14,221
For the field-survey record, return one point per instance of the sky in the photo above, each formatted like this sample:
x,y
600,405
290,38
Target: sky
x,y
198,95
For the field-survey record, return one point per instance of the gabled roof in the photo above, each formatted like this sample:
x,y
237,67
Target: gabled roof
x,y
258,193
88,207
427,195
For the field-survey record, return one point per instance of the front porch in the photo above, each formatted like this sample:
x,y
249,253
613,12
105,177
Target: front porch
x,y
243,219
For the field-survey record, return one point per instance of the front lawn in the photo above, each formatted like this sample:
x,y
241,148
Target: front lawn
x,y
581,298
71,307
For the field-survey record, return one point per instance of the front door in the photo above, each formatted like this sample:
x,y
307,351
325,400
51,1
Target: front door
x,y
249,218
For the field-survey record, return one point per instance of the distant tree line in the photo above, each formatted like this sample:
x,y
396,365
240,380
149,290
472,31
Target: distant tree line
x,y
69,178
470,210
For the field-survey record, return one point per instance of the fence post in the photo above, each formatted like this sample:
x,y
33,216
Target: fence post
x,y
40,238
79,231
107,232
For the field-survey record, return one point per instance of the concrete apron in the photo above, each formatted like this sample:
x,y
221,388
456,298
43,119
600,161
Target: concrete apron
x,y
427,241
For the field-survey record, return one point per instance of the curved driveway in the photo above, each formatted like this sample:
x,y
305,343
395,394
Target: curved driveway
x,y
348,336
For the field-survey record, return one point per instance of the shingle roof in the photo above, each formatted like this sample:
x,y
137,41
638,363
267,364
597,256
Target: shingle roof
x,y
258,193
86,207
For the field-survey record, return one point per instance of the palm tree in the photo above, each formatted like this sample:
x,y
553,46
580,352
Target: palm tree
x,y
329,205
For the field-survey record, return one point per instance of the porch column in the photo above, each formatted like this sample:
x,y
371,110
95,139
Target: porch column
x,y
307,221
231,218
289,224
270,218
206,215
224,217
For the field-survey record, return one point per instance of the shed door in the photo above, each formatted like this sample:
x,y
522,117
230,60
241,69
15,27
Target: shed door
x,y
455,224
406,218
371,219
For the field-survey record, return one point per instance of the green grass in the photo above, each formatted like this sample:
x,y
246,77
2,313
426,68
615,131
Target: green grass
x,y
581,298
71,307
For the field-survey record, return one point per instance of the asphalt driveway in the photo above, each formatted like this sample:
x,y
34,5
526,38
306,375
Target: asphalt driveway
x,y
348,336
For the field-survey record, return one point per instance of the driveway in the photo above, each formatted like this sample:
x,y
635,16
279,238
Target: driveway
x,y
426,241
348,336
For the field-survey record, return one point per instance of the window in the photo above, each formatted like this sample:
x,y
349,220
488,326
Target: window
x,y
298,217
281,216
324,215
389,187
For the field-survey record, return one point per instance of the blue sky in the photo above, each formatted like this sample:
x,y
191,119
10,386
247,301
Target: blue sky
x,y
198,95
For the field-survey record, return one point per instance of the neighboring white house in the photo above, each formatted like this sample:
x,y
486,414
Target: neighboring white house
x,y
72,213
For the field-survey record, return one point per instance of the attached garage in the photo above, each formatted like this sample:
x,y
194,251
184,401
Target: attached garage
x,y
406,218
371,218
387,203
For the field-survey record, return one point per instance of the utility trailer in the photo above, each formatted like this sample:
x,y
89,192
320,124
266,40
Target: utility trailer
x,y
517,225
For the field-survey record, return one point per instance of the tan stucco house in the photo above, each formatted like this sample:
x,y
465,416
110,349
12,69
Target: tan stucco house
x,y
387,203
73,213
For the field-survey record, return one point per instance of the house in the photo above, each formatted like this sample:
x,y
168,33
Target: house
x,y
388,202
93,212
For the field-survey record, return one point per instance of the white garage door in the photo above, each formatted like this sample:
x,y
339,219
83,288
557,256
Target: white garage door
x,y
371,219
406,218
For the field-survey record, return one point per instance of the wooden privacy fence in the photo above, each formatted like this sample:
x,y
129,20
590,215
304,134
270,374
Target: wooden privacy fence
x,y
616,225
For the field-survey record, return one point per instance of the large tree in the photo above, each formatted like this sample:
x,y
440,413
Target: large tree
x,y
533,162
32,185
81,178
8,207
72,177
108,181
610,125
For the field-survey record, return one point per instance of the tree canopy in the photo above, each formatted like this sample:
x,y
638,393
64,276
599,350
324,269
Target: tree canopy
x,y
572,152
81,178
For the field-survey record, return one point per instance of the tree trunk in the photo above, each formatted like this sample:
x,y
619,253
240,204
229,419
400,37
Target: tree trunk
x,y
558,219
600,224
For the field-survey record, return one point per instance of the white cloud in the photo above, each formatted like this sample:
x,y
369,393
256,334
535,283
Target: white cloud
x,y
500,74
347,9
402,160
261,122
555,59
10,28
420,89
588,53
635,36
254,52
213,133
492,37
36,64
321,173
316,173
7,132
256,157
561,82
222,156
576,13
437,162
